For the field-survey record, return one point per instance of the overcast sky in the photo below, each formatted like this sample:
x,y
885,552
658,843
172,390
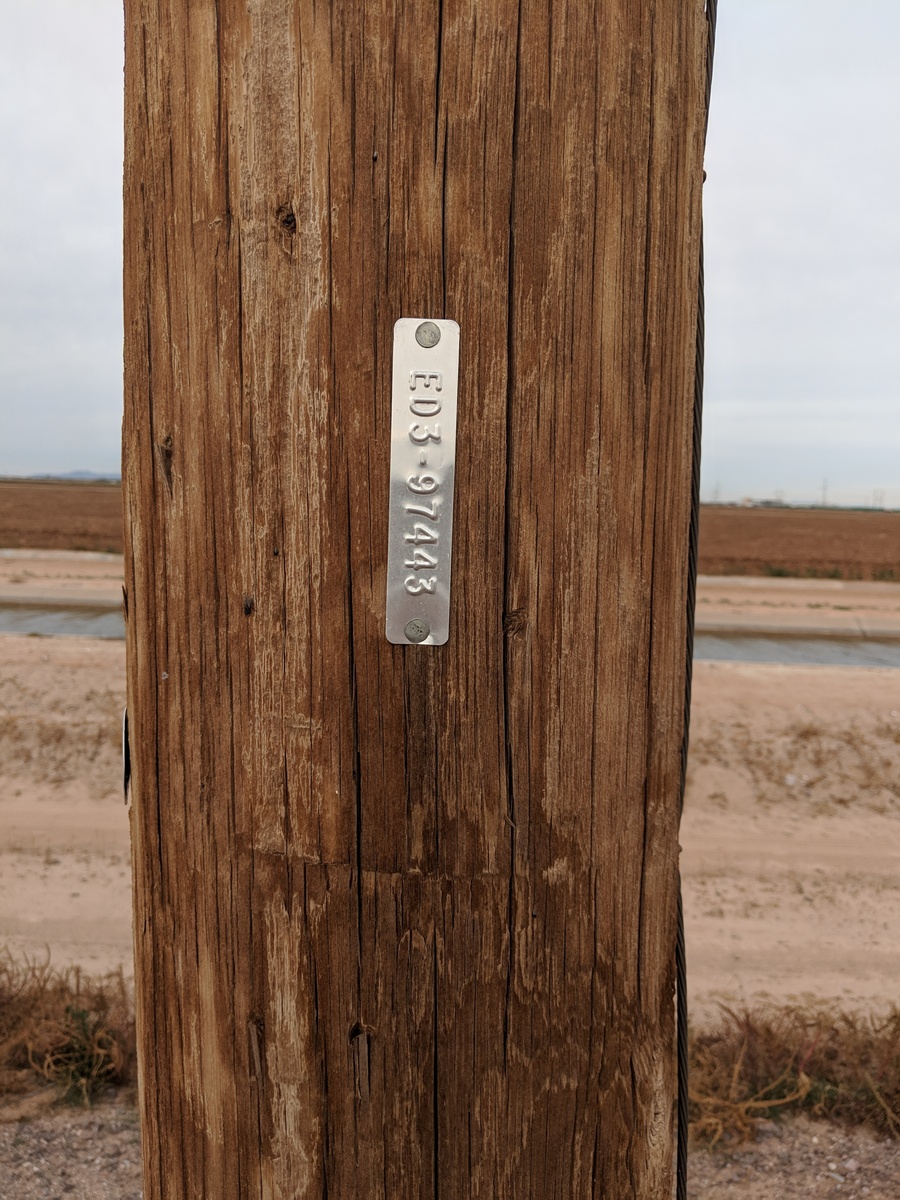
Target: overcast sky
x,y
803,251
802,236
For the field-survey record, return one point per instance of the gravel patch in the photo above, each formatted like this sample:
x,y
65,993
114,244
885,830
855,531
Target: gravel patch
x,y
96,1155
800,1160
73,1155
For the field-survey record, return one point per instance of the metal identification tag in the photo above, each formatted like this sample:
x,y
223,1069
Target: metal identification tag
x,y
423,453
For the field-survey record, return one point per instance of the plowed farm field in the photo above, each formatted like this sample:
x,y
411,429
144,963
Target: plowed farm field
x,y
828,543
825,543
50,515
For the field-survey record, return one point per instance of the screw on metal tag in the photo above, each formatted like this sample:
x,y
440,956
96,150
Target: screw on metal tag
x,y
428,334
423,454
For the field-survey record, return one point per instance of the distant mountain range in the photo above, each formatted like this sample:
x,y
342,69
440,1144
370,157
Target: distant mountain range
x,y
76,476
96,475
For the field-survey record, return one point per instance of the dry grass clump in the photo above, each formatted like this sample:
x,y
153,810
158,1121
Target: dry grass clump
x,y
57,749
816,765
78,1034
757,1065
64,1028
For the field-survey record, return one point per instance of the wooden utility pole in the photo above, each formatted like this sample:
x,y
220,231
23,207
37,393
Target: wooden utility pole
x,y
405,915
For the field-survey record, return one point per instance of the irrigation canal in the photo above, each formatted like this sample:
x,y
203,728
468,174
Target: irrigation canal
x,y
106,622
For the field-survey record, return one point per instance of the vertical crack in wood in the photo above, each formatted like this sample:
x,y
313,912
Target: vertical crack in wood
x,y
442,143
437,76
356,758
506,565
435,1085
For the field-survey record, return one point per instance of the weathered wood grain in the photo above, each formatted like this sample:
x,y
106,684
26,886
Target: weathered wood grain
x,y
405,915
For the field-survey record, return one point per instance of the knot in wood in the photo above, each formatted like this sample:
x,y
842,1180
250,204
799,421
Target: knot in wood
x,y
287,219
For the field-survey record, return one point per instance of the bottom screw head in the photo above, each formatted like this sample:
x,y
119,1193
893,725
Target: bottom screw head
x,y
417,630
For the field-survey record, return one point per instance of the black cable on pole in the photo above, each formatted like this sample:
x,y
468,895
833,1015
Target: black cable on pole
x,y
681,1171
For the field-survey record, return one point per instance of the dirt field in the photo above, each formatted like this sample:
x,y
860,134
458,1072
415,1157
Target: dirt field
x,y
790,849
790,832
790,840
829,543
40,515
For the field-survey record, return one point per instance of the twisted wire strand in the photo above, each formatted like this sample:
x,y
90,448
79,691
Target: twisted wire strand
x,y
681,1170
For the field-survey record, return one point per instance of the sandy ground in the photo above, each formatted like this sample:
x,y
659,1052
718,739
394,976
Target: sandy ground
x,y
791,843
791,849
728,604
65,886
790,836
808,607
60,577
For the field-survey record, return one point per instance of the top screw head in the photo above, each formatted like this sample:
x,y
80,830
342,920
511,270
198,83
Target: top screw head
x,y
428,334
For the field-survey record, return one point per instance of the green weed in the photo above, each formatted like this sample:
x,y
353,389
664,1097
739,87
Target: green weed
x,y
65,1028
760,1064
